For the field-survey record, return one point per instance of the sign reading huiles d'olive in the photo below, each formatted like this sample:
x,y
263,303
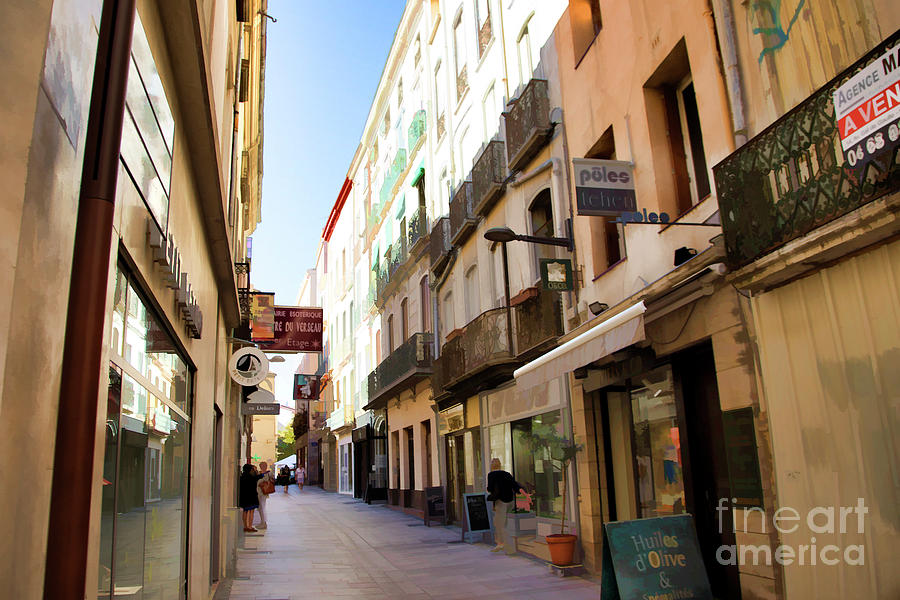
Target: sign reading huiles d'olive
x,y
604,187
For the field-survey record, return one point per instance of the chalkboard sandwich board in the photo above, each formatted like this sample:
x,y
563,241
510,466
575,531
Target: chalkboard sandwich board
x,y
478,517
656,558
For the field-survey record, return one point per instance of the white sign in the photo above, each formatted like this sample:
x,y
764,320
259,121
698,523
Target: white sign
x,y
867,109
248,366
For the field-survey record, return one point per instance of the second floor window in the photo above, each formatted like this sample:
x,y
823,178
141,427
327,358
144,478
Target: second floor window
x,y
404,320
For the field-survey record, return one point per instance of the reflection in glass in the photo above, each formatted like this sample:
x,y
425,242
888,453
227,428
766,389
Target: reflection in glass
x,y
107,502
535,468
657,445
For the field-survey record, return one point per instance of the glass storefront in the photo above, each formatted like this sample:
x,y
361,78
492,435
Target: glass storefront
x,y
344,455
657,444
465,469
147,448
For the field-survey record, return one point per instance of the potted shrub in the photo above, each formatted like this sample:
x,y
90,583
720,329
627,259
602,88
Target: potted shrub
x,y
562,451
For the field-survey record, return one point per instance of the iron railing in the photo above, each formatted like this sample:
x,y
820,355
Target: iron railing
x,y
242,274
440,246
489,176
527,124
412,358
417,229
462,214
538,320
792,177
485,341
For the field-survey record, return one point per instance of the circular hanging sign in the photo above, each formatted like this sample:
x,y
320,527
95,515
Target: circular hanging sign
x,y
248,366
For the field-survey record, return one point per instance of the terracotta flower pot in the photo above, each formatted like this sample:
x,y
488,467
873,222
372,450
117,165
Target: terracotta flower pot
x,y
562,548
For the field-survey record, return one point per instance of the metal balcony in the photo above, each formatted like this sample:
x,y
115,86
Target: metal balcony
x,y
527,124
489,176
402,369
417,231
439,245
242,274
462,214
792,177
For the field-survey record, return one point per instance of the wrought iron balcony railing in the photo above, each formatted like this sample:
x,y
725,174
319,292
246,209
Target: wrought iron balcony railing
x,y
527,124
792,177
462,214
538,320
416,130
440,245
242,274
417,230
488,177
406,365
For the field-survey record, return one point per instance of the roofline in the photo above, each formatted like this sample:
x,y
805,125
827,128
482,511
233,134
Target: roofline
x,y
336,209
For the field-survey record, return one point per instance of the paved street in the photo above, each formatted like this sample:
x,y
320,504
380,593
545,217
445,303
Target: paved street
x,y
322,545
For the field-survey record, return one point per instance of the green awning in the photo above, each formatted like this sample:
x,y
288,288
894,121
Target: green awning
x,y
419,175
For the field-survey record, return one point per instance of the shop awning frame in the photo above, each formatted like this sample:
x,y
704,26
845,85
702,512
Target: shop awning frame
x,y
617,332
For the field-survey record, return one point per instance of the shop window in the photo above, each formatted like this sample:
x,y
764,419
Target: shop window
x,y
584,16
674,122
607,236
657,445
541,214
534,467
144,501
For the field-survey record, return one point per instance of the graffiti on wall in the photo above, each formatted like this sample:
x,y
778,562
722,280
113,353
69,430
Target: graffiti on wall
x,y
776,32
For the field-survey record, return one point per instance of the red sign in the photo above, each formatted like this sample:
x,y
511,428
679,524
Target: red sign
x,y
306,387
297,329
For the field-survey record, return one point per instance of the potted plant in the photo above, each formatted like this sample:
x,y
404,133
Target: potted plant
x,y
563,451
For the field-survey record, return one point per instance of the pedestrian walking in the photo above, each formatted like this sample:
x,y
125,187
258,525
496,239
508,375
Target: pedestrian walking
x,y
502,489
284,477
248,498
264,487
301,476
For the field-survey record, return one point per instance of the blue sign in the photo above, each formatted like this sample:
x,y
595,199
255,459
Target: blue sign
x,y
657,558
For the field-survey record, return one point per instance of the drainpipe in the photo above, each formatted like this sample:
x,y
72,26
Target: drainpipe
x,y
722,24
82,364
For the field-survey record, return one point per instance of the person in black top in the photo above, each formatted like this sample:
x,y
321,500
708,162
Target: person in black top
x,y
247,497
502,489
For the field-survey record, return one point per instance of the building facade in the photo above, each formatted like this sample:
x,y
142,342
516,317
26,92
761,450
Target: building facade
x,y
155,505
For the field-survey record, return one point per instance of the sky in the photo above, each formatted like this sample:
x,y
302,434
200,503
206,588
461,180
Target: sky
x,y
323,63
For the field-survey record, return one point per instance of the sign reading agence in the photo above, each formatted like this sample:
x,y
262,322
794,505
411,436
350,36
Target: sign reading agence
x,y
657,558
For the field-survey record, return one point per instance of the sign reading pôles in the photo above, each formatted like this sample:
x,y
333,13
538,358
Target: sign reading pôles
x,y
604,187
867,109
248,366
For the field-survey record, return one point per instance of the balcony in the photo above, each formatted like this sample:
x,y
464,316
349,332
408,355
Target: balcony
x,y
417,231
481,356
242,274
402,369
462,214
416,130
488,177
792,177
528,125
439,245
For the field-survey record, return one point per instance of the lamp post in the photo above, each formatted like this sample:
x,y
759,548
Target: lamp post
x,y
503,235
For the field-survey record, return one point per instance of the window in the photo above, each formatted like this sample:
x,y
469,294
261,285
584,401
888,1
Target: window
x,y
674,122
390,333
523,46
459,53
541,213
449,322
404,320
607,236
491,113
440,92
418,55
399,94
584,16
483,20
473,294
425,302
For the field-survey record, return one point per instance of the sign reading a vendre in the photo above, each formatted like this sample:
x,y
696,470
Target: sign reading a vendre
x,y
604,187
867,109
297,329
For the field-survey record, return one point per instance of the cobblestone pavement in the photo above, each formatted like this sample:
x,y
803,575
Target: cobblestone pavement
x,y
324,545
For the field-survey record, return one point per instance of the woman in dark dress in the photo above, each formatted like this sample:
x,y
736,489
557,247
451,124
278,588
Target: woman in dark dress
x,y
247,498
284,477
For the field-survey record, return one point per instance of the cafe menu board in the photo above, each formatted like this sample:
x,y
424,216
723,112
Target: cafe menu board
x,y
742,457
477,516
653,558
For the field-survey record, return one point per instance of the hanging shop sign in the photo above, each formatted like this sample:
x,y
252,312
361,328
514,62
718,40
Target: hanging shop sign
x,y
743,460
556,274
653,558
452,419
867,109
248,366
306,387
297,329
262,317
260,402
604,187
166,254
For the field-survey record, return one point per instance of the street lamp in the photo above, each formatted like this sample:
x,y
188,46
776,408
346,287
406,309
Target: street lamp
x,y
504,235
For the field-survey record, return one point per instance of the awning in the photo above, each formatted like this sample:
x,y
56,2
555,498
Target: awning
x,y
615,333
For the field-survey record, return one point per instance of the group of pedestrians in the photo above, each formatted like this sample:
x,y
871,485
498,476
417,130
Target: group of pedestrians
x,y
256,484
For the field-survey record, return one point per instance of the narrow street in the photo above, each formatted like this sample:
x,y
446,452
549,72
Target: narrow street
x,y
319,544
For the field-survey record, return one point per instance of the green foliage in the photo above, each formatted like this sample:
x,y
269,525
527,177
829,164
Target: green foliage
x,y
285,443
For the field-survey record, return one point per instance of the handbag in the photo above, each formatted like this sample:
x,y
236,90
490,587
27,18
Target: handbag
x,y
267,486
